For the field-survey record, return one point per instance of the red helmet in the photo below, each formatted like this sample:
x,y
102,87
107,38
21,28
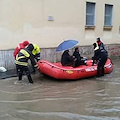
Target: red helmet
x,y
99,41
25,43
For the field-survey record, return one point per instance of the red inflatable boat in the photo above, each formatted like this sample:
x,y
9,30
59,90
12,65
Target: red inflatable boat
x,y
56,70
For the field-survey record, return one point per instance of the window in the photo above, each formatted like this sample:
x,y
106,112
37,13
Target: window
x,y
90,14
108,15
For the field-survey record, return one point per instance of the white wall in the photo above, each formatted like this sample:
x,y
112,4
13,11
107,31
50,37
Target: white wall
x,y
28,19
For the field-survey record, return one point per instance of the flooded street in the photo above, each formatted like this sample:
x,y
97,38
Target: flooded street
x,y
50,99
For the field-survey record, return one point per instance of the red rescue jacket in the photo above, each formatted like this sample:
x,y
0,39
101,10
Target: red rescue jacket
x,y
19,47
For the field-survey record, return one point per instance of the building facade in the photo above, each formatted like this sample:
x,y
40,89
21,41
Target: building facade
x,y
50,22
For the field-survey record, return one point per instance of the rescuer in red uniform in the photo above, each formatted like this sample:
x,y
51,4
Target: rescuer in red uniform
x,y
19,47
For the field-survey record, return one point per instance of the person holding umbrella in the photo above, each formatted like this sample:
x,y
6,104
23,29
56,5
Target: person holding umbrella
x,y
67,59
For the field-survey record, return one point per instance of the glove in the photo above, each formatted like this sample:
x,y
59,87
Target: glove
x,y
35,66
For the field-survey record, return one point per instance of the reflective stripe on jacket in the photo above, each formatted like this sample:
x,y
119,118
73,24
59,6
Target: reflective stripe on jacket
x,y
36,50
22,58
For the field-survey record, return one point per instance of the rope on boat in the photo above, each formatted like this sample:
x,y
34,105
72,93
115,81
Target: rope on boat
x,y
81,70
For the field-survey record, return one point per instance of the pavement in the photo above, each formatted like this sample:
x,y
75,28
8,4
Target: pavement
x,y
8,74
11,73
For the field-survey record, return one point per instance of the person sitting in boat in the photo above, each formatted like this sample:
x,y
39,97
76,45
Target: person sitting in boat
x,y
67,59
95,58
79,59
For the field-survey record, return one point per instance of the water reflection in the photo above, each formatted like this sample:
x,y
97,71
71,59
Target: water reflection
x,y
49,99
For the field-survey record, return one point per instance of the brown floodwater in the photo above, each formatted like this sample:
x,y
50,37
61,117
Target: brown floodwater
x,y
50,99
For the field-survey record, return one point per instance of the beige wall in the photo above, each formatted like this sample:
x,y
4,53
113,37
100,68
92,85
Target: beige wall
x,y
28,19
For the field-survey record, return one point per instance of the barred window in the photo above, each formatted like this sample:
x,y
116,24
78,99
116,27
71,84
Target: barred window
x,y
90,14
108,15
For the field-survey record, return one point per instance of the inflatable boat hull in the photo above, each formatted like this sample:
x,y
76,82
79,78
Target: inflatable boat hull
x,y
56,70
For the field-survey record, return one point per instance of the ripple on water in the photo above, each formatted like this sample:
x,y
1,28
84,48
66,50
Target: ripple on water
x,y
88,99
63,116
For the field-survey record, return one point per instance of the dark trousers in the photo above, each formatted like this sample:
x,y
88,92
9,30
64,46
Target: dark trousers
x,y
79,62
100,66
21,69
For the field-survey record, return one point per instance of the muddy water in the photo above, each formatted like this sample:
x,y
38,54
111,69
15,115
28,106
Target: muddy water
x,y
49,99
